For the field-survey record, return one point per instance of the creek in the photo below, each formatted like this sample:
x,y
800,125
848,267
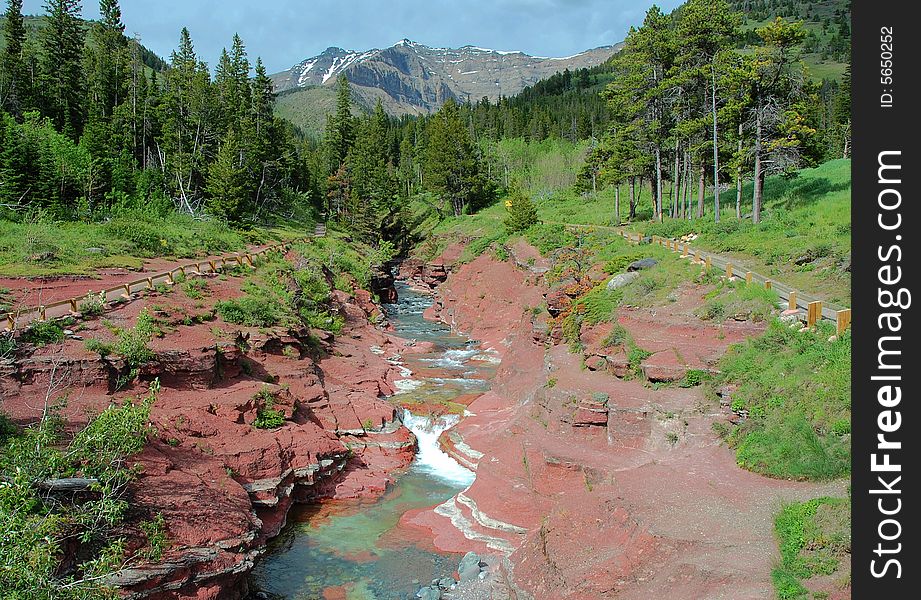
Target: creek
x,y
358,550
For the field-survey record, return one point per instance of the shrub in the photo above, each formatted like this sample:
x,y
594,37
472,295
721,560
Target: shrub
x,y
43,333
104,349
522,213
251,311
132,344
267,418
92,305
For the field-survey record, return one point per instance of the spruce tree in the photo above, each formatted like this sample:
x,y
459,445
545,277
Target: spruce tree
x,y
15,88
62,66
340,128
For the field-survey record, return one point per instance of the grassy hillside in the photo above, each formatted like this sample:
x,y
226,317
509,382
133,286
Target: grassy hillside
x,y
827,44
307,108
35,23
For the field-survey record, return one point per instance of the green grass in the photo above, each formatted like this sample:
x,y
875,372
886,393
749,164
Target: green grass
x,y
750,302
814,539
41,246
807,216
796,388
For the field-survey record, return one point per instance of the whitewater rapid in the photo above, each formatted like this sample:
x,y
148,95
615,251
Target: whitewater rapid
x,y
430,458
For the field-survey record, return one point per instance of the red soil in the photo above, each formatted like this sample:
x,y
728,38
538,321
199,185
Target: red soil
x,y
223,486
647,504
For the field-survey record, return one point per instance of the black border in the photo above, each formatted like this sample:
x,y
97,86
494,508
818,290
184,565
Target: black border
x,y
876,129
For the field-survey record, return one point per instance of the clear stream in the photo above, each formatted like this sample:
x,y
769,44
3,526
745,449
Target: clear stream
x,y
357,548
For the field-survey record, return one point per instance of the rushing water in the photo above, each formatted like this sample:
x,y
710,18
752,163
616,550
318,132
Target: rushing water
x,y
359,547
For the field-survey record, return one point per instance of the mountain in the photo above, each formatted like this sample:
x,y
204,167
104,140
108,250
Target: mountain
x,y
416,79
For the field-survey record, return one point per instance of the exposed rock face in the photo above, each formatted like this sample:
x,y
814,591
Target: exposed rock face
x,y
382,284
223,485
413,78
590,482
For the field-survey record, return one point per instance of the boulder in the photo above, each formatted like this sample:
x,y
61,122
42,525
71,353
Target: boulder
x,y
470,559
596,363
643,263
619,281
382,284
557,302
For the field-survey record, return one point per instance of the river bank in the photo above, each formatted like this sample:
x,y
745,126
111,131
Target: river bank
x,y
592,484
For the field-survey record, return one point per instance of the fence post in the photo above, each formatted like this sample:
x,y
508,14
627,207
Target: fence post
x,y
707,263
127,290
844,320
11,321
150,284
212,265
793,300
41,312
814,314
748,277
728,270
687,250
182,270
73,305
768,284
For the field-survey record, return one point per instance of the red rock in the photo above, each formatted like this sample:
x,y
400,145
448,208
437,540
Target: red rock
x,y
596,363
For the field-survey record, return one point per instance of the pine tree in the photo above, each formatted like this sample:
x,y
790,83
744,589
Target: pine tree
x,y
188,130
340,128
62,66
228,187
15,87
706,29
452,168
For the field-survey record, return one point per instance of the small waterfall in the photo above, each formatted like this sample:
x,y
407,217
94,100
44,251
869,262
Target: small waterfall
x,y
431,458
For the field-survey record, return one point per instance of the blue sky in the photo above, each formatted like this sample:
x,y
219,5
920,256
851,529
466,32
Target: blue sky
x,y
284,32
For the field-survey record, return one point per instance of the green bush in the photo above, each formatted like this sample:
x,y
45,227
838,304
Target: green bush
x,y
522,213
268,418
43,333
253,311
92,305
58,547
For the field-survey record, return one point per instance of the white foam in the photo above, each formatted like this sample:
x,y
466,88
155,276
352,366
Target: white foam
x,y
430,458
407,385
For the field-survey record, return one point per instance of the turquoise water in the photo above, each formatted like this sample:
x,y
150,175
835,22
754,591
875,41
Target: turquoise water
x,y
358,547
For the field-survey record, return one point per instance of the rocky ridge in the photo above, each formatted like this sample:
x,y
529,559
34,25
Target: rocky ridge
x,y
412,78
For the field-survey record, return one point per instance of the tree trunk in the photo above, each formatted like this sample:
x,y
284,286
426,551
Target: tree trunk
x,y
675,183
739,180
632,198
701,188
758,179
716,153
658,189
617,204
686,199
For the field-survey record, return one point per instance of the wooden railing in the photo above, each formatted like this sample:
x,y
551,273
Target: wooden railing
x,y
815,309
26,315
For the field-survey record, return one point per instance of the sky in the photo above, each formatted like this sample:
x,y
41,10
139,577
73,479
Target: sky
x,y
285,32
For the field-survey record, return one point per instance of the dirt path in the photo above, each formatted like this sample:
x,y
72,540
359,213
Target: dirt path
x,y
803,299
27,295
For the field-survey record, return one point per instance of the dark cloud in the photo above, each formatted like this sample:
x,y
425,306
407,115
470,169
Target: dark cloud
x,y
284,32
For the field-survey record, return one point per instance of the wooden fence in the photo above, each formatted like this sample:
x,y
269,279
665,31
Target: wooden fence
x,y
814,308
23,317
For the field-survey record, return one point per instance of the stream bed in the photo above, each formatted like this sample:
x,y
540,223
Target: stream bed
x,y
357,551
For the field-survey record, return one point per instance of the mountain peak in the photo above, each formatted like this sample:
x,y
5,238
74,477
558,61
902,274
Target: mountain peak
x,y
410,77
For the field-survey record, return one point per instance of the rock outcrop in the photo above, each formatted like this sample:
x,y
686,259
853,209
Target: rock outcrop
x,y
222,478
